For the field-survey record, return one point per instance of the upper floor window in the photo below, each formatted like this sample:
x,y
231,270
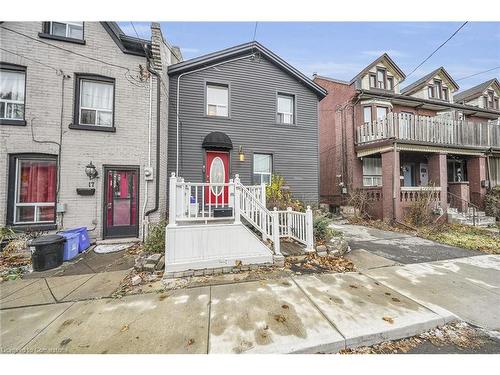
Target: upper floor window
x,y
65,31
286,109
381,80
437,91
12,94
262,168
217,100
381,76
94,102
490,101
367,114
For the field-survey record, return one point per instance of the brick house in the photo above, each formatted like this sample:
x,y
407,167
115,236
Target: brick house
x,y
79,99
389,142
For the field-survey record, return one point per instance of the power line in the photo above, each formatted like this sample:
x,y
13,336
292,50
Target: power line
x,y
433,52
476,74
133,27
255,31
30,59
65,49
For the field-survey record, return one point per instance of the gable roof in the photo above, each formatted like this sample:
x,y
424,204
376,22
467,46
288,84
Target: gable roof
x,y
475,91
422,81
385,57
128,44
240,50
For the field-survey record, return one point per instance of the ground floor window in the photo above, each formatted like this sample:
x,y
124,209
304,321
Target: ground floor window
x,y
495,171
457,170
372,172
262,168
32,183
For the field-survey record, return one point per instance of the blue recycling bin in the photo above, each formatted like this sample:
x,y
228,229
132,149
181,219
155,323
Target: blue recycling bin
x,y
83,238
71,244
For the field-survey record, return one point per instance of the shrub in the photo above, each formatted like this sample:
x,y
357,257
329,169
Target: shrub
x,y
277,195
420,211
322,231
492,202
155,242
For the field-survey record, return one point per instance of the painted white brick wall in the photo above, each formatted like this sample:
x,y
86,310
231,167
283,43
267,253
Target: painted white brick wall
x,y
128,146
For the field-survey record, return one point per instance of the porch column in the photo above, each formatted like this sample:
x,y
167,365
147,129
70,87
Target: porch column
x,y
476,172
438,175
391,186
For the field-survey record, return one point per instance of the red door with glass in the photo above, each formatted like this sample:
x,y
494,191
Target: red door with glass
x,y
121,203
217,171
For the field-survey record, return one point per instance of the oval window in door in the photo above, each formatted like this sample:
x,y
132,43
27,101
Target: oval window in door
x,y
217,175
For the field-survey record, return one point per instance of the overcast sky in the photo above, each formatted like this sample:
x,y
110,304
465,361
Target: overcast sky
x,y
341,49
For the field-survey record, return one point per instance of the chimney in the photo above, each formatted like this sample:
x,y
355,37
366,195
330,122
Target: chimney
x,y
156,41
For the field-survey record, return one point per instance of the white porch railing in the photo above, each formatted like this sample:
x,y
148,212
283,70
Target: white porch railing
x,y
191,202
433,130
296,225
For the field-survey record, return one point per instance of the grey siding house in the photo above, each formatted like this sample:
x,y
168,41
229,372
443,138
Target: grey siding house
x,y
75,102
244,111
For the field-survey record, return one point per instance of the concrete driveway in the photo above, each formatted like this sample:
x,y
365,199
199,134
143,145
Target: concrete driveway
x,y
399,247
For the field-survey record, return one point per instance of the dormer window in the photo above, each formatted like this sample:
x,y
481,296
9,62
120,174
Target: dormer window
x,y
390,83
381,79
373,81
437,91
445,94
490,101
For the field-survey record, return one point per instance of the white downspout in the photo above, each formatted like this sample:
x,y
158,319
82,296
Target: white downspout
x,y
146,182
177,100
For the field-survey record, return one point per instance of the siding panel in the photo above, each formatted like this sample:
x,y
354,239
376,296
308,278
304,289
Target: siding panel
x,y
252,124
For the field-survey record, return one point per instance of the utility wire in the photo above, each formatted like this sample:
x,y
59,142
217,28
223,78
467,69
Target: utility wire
x,y
255,30
65,49
478,73
30,59
433,52
133,27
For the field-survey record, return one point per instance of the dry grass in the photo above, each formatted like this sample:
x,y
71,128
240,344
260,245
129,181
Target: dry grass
x,y
465,236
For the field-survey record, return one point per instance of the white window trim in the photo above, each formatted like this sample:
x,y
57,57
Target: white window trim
x,y
34,204
97,110
10,101
217,106
67,24
261,174
290,114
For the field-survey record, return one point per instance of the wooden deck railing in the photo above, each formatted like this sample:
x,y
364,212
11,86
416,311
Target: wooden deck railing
x,y
432,130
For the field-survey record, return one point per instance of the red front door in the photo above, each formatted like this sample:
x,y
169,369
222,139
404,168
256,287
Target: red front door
x,y
121,202
217,171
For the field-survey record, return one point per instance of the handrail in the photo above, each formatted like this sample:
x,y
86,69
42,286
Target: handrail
x,y
469,205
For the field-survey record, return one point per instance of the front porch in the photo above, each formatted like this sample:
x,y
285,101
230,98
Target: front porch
x,y
226,224
397,177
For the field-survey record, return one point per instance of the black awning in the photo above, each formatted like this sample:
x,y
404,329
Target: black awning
x,y
217,141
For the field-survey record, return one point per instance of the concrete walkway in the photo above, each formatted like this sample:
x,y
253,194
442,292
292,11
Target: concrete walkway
x,y
307,313
301,314
399,247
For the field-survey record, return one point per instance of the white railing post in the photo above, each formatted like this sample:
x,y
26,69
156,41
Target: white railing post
x,y
237,200
309,230
263,194
289,221
172,199
276,232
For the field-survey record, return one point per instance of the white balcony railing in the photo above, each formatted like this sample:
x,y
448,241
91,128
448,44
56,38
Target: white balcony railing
x,y
431,130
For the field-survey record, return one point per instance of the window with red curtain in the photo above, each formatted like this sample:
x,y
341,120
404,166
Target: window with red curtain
x,y
35,191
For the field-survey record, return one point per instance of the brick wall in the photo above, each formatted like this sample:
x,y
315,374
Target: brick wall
x,y
127,146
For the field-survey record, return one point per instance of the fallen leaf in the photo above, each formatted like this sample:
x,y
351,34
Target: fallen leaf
x,y
285,306
190,342
353,286
388,319
124,328
396,299
280,318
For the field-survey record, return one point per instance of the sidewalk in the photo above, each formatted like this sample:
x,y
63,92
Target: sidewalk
x,y
299,314
313,313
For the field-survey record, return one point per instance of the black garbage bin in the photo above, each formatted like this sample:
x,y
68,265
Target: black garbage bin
x,y
47,252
